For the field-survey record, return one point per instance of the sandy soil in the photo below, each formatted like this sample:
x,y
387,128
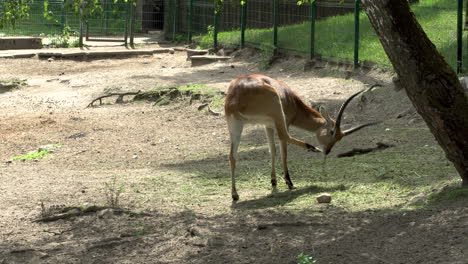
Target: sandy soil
x,y
138,139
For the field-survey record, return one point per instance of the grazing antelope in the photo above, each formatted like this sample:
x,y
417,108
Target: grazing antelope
x,y
259,99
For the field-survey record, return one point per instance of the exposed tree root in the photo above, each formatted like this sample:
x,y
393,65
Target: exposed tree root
x,y
119,99
108,242
214,112
69,212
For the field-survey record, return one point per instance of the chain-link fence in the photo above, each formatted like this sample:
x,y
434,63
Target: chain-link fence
x,y
330,29
37,23
110,21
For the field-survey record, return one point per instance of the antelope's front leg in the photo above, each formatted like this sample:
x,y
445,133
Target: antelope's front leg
x,y
284,158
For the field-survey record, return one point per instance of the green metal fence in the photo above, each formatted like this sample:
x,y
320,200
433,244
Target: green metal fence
x,y
330,29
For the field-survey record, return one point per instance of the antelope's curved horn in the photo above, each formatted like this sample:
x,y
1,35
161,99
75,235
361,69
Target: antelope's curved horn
x,y
343,107
345,103
354,129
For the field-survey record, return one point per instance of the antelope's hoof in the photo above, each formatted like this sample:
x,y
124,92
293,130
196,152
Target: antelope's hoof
x,y
311,148
291,187
235,197
273,183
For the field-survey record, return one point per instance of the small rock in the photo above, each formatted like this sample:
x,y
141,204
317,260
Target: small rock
x,y
134,157
49,148
215,242
9,161
106,213
194,231
199,242
324,198
77,135
51,59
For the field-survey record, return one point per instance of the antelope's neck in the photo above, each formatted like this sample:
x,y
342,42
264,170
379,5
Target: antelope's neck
x,y
306,117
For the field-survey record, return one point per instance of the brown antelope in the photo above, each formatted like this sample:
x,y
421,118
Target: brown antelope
x,y
259,99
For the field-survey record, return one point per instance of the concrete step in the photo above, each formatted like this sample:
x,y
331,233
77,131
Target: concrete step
x,y
198,60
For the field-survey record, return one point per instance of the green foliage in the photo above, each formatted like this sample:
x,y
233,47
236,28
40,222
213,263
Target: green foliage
x,y
267,51
12,12
305,259
65,39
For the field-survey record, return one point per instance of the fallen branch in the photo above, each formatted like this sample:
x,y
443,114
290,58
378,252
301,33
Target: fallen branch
x,y
214,112
119,99
108,242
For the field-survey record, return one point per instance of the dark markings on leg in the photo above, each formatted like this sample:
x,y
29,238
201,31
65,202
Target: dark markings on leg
x,y
288,180
273,182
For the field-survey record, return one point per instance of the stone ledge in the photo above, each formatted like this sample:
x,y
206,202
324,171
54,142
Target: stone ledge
x,y
101,54
13,43
198,60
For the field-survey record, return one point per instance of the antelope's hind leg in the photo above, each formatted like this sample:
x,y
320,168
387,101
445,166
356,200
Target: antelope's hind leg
x,y
235,127
270,134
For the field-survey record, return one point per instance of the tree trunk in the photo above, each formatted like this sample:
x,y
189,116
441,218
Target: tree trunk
x,y
430,83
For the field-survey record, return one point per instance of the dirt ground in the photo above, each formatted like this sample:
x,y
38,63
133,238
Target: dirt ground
x,y
139,140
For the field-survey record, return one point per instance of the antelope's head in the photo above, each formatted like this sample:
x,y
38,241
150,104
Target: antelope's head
x,y
331,131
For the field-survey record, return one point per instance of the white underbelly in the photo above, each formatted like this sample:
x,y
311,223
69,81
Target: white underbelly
x,y
258,120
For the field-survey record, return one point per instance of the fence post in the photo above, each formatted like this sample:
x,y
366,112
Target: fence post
x,y
312,29
176,15
80,41
459,36
275,24
215,29
106,16
243,19
132,24
356,33
189,34
127,15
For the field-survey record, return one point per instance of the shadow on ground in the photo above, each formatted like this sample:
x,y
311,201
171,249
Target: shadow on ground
x,y
253,236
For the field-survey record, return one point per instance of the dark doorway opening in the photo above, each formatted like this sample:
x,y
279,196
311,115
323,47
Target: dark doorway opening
x,y
153,15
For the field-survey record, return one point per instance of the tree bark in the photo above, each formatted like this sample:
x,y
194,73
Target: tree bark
x,y
430,83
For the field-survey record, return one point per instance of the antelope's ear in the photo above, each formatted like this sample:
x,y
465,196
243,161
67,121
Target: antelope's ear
x,y
325,114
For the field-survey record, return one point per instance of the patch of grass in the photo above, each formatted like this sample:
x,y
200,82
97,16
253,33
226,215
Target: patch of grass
x,y
11,84
334,36
34,155
193,92
390,179
113,189
305,259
